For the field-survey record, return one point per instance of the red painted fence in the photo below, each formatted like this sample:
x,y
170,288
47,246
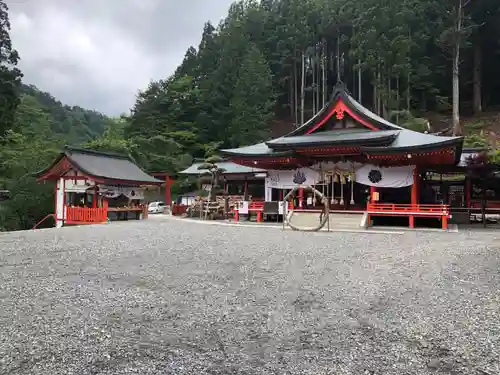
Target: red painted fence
x,y
85,215
440,211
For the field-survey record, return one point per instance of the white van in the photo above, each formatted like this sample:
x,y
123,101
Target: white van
x,y
156,208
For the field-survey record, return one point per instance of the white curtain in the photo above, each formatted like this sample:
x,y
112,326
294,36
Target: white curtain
x,y
389,177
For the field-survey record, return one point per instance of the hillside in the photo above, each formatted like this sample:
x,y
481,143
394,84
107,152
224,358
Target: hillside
x,y
39,109
42,126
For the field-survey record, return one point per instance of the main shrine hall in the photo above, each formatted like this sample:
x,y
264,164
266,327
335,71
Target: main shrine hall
x,y
359,160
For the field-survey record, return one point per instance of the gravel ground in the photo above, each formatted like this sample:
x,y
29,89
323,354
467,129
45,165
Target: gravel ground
x,y
173,297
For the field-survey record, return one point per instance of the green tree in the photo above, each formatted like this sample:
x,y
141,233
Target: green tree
x,y
10,75
252,102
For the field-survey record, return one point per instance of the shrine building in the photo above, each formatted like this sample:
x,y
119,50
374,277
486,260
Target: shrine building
x,y
93,187
360,161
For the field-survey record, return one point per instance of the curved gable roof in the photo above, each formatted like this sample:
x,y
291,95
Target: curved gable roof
x,y
104,165
390,137
340,94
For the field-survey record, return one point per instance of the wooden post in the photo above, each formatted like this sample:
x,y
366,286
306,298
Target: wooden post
x,y
301,197
444,221
94,201
414,195
168,183
414,188
245,191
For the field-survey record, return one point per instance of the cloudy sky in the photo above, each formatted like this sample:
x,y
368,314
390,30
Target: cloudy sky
x,y
98,53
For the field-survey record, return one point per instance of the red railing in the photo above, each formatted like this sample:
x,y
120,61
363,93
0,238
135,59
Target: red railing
x,y
85,215
407,208
256,206
441,211
45,218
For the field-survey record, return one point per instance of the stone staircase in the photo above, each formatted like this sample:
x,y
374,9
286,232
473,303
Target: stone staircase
x,y
338,221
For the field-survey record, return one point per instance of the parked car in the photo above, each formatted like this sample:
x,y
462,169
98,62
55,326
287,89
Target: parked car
x,y
156,207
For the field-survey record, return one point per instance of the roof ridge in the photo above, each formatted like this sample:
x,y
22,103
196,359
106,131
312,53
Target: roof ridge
x,y
87,151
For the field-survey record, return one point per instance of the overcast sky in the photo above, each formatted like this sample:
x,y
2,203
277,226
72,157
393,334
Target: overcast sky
x,y
98,53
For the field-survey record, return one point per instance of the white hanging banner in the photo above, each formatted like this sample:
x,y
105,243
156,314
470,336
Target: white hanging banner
x,y
388,177
279,179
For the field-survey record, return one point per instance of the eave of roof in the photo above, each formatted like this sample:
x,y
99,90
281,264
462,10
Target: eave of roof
x,y
349,137
76,157
409,140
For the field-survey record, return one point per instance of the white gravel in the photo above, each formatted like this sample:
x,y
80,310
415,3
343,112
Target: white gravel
x,y
172,297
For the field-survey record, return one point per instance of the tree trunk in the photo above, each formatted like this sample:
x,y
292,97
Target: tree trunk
x,y
338,59
456,92
457,130
408,91
397,99
302,89
359,81
295,89
379,97
375,95
318,80
323,64
388,101
476,101
313,85
290,96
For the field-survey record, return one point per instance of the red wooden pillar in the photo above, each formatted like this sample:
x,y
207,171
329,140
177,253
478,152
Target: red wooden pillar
x,y
168,184
373,190
414,195
281,195
301,197
245,193
415,187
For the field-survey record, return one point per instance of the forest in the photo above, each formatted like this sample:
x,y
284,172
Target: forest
x,y
266,68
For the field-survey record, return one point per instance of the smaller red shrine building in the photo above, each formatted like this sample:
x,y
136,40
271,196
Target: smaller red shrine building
x,y
92,184
348,150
